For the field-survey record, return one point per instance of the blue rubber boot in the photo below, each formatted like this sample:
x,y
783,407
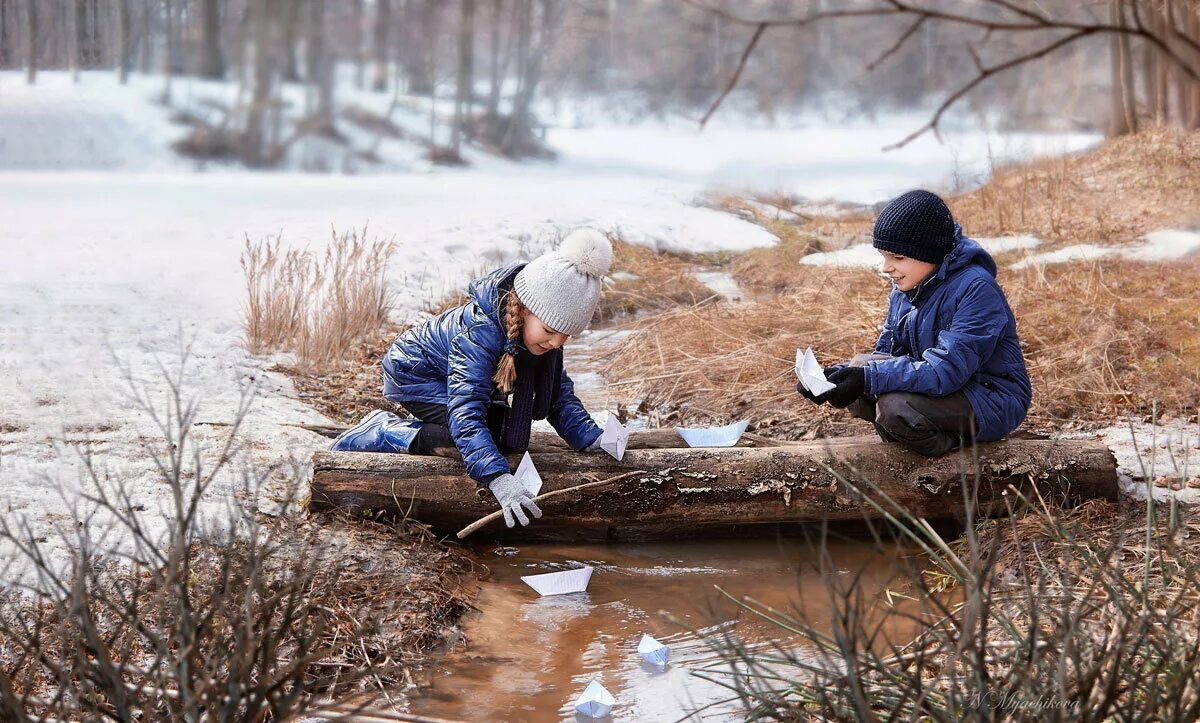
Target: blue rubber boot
x,y
379,431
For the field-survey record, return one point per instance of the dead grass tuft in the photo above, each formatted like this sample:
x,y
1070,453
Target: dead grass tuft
x,y
317,307
645,280
774,268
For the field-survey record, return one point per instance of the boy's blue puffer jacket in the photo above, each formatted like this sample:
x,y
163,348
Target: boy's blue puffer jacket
x,y
451,359
956,331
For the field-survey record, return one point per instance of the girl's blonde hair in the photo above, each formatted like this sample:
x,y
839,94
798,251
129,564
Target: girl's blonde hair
x,y
514,324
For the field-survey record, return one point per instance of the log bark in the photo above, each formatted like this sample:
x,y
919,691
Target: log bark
x,y
689,491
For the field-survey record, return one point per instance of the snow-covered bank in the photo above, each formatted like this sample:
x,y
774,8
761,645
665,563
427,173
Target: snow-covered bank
x,y
103,270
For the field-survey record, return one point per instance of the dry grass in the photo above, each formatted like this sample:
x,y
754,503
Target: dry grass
x,y
1114,194
646,280
1124,189
724,362
348,392
1099,341
773,269
317,307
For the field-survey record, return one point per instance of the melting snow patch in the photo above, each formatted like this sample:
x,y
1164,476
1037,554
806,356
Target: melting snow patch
x,y
865,255
1078,252
1166,245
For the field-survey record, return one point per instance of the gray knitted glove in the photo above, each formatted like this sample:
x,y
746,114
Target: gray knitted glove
x,y
512,495
594,446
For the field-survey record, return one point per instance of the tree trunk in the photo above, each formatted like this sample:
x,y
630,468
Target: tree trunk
x,y
212,62
1128,87
1193,29
125,51
255,134
31,48
383,26
1119,119
1162,88
356,40
518,126
168,60
464,82
321,66
706,491
292,11
495,68
7,36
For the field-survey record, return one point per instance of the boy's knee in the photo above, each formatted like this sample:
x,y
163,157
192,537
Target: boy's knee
x,y
903,422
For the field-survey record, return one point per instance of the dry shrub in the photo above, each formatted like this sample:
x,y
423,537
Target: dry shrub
x,y
1127,187
647,280
317,307
1099,341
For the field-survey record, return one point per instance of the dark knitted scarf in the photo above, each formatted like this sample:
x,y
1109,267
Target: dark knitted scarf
x,y
533,392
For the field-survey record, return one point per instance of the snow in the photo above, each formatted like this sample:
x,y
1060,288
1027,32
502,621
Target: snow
x,y
1145,451
865,255
809,156
1165,245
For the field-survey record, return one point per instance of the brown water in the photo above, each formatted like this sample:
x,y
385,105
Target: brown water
x,y
530,657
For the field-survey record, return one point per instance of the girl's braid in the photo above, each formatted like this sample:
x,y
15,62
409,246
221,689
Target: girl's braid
x,y
514,323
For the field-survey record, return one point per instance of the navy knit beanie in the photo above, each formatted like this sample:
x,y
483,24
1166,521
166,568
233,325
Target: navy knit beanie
x,y
917,225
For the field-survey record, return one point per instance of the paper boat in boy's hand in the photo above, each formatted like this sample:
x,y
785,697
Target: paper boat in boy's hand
x,y
726,436
528,476
595,701
614,438
810,373
560,583
653,651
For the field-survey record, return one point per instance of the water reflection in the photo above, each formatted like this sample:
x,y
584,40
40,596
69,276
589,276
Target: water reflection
x,y
530,658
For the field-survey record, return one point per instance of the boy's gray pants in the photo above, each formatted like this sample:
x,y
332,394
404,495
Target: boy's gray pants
x,y
931,426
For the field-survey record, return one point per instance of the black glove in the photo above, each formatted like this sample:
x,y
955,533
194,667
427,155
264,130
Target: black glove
x,y
807,394
851,383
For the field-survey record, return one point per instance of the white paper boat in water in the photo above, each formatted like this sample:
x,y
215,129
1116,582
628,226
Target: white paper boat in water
x,y
726,436
653,651
810,373
595,701
528,475
560,583
614,438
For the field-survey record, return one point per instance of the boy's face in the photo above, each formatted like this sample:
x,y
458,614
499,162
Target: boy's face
x,y
904,272
539,338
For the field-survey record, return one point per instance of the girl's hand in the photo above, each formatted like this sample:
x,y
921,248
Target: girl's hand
x,y
594,446
512,496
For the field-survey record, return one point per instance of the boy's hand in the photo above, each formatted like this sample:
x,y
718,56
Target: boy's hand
x,y
807,394
851,383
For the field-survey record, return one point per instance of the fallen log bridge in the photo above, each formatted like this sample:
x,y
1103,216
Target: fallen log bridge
x,y
680,491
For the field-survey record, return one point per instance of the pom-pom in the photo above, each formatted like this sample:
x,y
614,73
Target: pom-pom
x,y
588,250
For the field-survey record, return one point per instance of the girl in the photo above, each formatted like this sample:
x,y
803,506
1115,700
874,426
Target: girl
x,y
475,377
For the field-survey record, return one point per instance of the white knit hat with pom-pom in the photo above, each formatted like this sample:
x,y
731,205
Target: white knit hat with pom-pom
x,y
562,287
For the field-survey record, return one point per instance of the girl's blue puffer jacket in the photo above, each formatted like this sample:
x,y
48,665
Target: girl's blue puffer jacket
x,y
956,332
451,359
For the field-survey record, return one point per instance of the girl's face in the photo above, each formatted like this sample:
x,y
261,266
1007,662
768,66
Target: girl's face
x,y
906,273
539,338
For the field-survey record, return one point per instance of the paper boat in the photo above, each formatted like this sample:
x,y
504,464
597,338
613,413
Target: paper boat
x,y
560,583
595,702
614,438
810,373
726,436
528,475
653,651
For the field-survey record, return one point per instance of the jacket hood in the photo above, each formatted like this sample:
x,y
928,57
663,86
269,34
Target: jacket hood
x,y
485,291
966,251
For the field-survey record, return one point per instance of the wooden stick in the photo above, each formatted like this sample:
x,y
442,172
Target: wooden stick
x,y
483,521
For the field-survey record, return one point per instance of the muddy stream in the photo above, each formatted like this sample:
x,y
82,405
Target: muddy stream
x,y
528,657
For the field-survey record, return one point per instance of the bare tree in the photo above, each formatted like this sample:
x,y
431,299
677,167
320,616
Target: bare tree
x,y
1162,40
516,135
125,46
31,47
212,60
383,28
466,58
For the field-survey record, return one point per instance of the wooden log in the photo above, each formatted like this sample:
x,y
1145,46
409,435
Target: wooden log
x,y
687,491
549,441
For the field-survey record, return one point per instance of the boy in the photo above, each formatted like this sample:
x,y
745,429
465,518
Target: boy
x,y
947,369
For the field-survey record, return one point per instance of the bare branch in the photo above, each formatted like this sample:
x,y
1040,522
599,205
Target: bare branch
x,y
912,29
737,73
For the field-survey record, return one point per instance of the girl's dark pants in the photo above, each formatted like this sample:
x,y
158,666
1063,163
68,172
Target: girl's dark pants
x,y
434,437
931,426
